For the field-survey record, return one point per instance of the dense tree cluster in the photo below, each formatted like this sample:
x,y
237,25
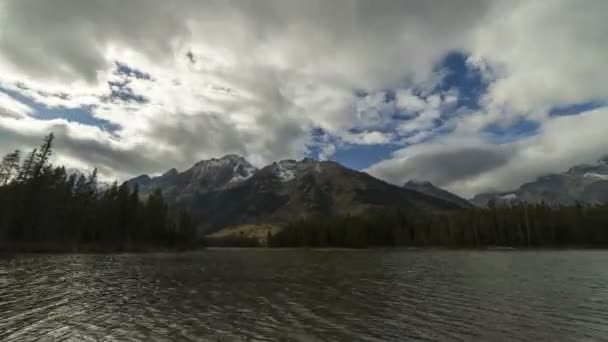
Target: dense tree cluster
x,y
520,225
45,207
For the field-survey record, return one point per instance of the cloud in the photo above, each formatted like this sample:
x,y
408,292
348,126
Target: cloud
x,y
470,166
195,79
544,53
12,108
443,162
177,81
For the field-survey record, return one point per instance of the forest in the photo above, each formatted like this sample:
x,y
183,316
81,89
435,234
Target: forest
x,y
45,208
518,225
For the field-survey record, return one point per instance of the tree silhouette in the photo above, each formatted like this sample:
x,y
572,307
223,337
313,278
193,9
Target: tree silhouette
x,y
44,208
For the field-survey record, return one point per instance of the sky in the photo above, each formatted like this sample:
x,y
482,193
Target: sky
x,y
472,95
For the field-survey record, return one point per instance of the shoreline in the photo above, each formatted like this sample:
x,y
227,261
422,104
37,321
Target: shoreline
x,y
150,249
58,248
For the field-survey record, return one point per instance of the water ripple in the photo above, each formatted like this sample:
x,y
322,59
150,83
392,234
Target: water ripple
x,y
299,295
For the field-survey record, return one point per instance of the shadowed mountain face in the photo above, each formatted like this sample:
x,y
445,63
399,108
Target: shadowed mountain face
x,y
237,194
429,189
587,183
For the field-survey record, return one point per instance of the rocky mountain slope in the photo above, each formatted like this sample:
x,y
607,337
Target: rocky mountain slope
x,y
587,183
429,189
229,191
204,176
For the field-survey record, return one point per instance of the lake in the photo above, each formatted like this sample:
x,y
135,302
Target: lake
x,y
306,295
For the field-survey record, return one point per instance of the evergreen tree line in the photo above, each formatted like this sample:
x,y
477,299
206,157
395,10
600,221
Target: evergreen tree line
x,y
43,207
520,225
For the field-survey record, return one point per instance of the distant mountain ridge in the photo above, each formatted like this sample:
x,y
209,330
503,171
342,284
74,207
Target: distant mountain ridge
x,y
230,191
585,183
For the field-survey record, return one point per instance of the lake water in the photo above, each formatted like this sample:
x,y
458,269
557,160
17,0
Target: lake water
x,y
307,295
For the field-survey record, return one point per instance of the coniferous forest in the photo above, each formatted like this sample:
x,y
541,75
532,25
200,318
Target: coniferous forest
x,y
43,208
519,225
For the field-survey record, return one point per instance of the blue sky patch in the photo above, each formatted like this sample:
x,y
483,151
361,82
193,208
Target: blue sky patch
x,y
81,115
360,157
126,70
459,77
520,128
354,156
463,77
577,108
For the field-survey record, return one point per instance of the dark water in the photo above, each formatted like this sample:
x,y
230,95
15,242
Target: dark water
x,y
307,295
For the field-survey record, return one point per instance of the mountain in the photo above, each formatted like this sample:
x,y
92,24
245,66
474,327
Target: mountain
x,y
229,191
429,189
204,176
586,183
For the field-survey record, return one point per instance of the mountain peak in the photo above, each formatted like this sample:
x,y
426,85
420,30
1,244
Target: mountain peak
x,y
229,158
229,169
233,157
206,175
234,162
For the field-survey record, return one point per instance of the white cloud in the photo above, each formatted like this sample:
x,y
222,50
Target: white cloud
x,y
10,107
544,52
368,138
226,76
469,165
255,77
406,100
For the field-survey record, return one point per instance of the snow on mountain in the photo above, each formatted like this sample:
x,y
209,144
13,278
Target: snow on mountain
x,y
206,175
232,169
285,170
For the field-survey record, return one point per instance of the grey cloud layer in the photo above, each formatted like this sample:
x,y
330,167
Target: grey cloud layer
x,y
444,164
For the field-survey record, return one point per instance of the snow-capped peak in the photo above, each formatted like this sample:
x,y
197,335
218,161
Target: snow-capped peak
x,y
236,166
230,160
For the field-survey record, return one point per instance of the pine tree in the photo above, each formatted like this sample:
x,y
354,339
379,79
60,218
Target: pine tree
x,y
42,157
25,171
